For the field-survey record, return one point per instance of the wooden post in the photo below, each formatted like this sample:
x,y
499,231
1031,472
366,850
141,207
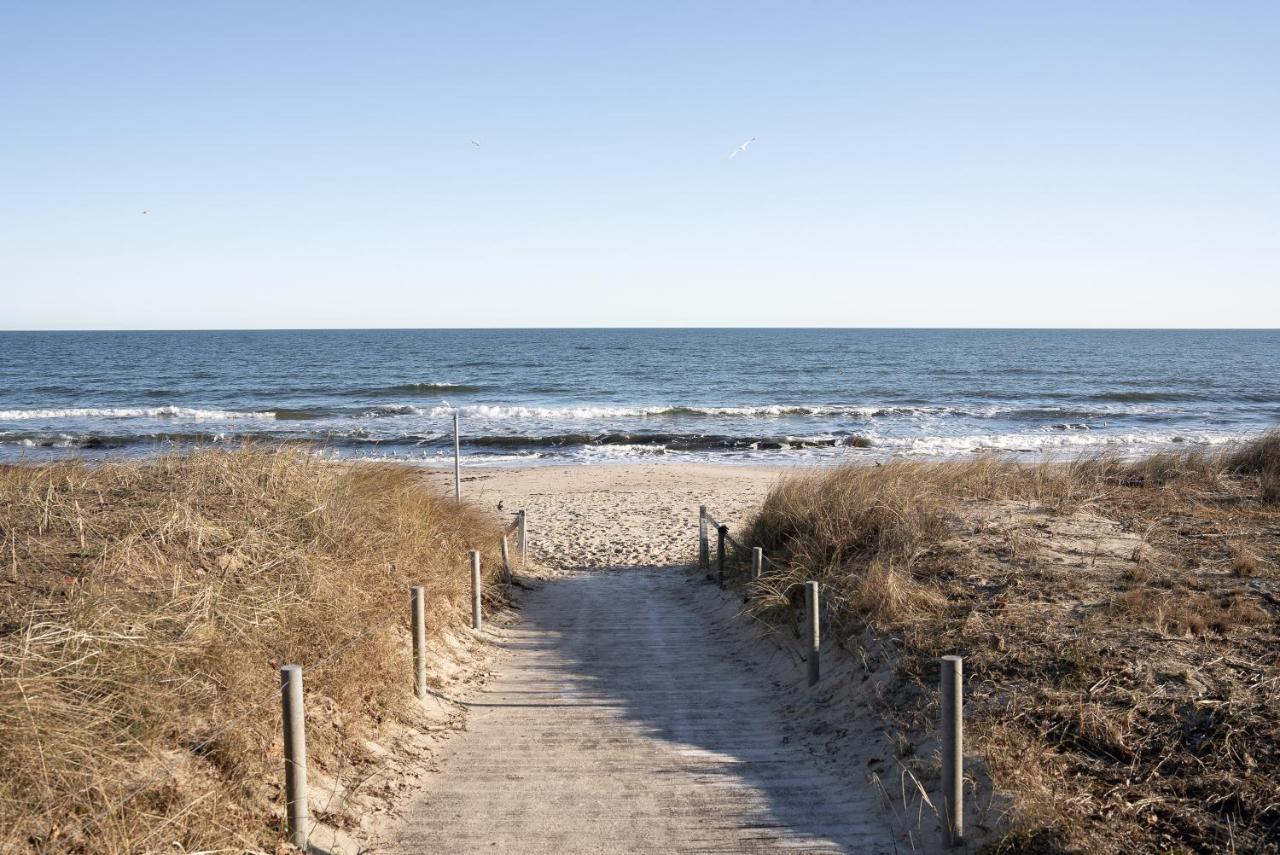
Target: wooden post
x,y
457,461
721,533
295,756
418,622
522,537
506,563
757,562
813,632
477,619
953,749
704,546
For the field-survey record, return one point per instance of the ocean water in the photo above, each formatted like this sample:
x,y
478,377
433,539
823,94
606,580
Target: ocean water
x,y
555,396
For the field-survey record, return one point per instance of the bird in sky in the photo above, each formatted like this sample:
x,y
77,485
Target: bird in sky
x,y
146,212
742,149
476,144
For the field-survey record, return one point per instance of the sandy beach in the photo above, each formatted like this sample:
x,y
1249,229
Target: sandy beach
x,y
584,517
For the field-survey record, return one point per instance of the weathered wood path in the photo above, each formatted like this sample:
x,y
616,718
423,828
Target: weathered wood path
x,y
619,724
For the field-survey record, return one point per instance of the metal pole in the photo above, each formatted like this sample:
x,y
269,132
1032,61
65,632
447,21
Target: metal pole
x,y
522,535
704,547
953,749
757,562
477,619
506,562
721,533
813,630
418,619
295,756
457,461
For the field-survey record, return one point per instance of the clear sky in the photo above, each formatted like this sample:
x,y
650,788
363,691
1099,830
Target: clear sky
x,y
914,164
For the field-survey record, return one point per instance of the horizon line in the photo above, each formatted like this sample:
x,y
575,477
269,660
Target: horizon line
x,y
886,328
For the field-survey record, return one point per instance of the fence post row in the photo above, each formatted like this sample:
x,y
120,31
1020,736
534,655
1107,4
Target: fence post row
x,y
812,629
721,533
418,622
704,547
295,755
953,749
477,619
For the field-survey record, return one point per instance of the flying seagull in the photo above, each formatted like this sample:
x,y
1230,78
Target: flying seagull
x,y
742,149
146,212
476,144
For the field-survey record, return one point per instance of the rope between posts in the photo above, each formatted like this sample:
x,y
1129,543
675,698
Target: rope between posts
x,y
735,541
716,524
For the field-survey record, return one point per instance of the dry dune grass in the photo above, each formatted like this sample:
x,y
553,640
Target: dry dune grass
x,y
146,609
1118,619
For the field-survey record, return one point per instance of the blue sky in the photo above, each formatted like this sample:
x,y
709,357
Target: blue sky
x,y
915,164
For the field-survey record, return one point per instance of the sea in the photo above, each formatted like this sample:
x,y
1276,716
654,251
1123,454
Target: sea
x,y
583,396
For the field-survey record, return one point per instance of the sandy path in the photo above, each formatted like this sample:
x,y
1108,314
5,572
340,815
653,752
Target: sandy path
x,y
618,724
588,517
620,721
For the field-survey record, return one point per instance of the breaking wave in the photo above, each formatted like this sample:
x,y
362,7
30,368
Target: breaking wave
x,y
670,441
131,413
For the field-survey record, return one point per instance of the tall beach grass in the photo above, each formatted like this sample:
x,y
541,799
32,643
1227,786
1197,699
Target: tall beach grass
x,y
147,606
1118,619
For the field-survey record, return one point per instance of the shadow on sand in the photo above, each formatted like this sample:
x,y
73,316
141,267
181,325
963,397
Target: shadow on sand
x,y
630,643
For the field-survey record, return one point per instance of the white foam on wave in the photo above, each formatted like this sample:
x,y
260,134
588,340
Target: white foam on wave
x,y
503,412
942,446
499,412
619,452
860,412
129,413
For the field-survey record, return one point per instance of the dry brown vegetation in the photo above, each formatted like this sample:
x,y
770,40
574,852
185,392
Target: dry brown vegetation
x,y
147,607
1118,619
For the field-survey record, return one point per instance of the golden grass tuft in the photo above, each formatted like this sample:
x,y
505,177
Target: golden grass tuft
x,y
887,596
1261,459
148,607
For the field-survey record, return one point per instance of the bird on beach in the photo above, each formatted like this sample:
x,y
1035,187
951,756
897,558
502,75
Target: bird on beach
x,y
500,504
742,149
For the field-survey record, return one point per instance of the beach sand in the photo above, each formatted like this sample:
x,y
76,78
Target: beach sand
x,y
585,517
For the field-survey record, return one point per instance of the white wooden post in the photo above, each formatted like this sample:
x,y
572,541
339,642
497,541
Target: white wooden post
x,y
813,634
522,537
477,619
295,756
506,563
704,546
953,749
418,620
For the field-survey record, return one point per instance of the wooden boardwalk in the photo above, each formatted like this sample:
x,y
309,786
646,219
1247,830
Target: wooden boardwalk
x,y
618,724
